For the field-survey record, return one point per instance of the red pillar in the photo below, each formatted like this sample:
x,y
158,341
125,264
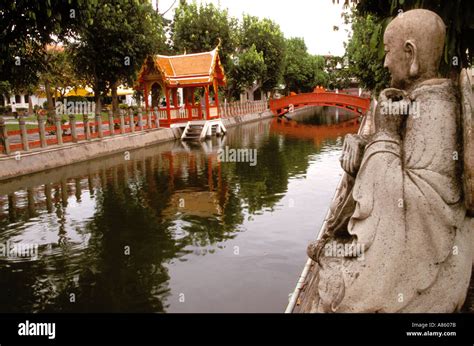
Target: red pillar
x,y
168,112
145,95
206,88
192,100
175,97
189,102
216,97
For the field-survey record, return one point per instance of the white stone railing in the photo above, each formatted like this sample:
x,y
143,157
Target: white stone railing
x,y
241,108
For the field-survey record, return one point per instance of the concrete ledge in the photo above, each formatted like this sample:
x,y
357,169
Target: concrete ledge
x,y
57,156
38,160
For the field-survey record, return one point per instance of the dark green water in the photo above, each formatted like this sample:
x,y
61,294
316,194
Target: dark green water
x,y
170,228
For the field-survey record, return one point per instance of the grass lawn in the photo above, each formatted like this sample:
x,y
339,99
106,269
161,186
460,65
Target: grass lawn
x,y
16,127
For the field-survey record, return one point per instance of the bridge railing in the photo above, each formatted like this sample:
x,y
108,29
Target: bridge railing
x,y
232,109
350,102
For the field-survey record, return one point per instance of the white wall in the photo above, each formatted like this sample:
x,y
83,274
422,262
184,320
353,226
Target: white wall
x,y
36,100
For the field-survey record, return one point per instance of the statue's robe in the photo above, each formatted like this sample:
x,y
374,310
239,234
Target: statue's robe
x,y
410,217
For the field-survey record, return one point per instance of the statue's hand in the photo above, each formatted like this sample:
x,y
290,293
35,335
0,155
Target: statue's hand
x,y
352,152
388,116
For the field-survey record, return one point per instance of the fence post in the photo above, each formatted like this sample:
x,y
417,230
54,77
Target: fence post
x,y
157,117
140,119
42,131
72,124
149,114
122,121
111,123
59,130
23,133
87,129
98,124
4,136
132,121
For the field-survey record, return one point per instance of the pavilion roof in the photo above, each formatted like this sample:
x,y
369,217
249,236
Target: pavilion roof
x,y
184,70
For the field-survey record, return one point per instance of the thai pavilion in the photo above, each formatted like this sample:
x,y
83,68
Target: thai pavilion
x,y
183,88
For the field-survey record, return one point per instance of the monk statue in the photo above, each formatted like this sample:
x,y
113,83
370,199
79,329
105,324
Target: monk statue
x,y
398,238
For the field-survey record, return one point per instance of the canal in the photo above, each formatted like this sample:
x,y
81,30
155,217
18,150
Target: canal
x,y
173,228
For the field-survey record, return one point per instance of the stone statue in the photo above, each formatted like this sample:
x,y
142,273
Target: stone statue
x,y
398,236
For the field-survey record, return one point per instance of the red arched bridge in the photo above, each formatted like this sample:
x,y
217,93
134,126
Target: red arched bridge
x,y
351,103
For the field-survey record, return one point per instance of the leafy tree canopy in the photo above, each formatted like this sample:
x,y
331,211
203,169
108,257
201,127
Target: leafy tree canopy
x,y
198,28
369,19
362,53
113,48
268,38
302,71
246,68
27,26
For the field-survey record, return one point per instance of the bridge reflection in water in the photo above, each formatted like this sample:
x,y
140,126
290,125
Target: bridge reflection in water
x,y
173,229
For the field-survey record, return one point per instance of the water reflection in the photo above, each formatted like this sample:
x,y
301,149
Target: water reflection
x,y
109,231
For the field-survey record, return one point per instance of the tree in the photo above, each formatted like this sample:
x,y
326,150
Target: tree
x,y
244,70
200,28
371,17
458,16
302,71
113,49
27,26
296,64
363,56
197,28
59,74
267,37
318,75
5,89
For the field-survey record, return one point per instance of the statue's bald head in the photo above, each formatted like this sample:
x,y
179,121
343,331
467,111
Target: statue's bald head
x,y
414,43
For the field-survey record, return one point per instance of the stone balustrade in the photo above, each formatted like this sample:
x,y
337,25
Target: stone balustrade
x,y
241,108
79,128
89,127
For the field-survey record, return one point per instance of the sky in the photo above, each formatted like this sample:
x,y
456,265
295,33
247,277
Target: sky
x,y
311,19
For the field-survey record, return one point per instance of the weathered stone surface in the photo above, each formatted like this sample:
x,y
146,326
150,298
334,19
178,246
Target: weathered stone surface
x,y
405,211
